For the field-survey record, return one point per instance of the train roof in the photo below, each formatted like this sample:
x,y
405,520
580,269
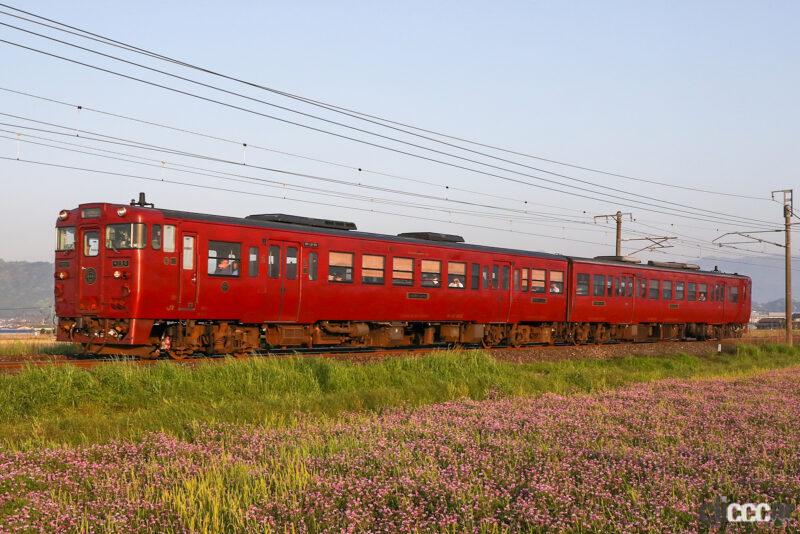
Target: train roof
x,y
335,229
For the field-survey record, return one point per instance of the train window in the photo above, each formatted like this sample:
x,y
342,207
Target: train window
x,y
372,269
621,287
630,288
126,236
734,294
678,290
188,252
402,271
537,280
653,293
506,276
485,277
713,295
274,261
557,282
495,276
252,261
456,275
340,267
524,279
721,293
91,243
598,285
702,292
610,286
476,276
642,288
431,273
65,238
516,279
666,290
691,291
582,286
224,259
155,239
313,266
291,263
169,238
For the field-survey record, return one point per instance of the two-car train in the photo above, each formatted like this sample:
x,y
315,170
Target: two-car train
x,y
133,279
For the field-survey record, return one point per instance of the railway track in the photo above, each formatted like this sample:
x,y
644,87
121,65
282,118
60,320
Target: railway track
x,y
514,354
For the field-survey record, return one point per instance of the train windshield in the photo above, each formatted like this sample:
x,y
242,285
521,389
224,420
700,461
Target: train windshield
x,y
126,236
65,238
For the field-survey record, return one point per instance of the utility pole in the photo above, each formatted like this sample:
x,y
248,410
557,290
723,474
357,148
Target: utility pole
x,y
618,218
787,216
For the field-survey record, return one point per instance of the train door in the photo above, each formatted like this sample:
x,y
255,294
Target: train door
x,y
91,270
625,291
283,280
501,285
188,276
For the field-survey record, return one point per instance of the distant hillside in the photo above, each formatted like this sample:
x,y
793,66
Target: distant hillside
x,y
25,284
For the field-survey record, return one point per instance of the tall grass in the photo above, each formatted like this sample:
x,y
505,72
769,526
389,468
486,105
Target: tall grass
x,y
53,405
33,347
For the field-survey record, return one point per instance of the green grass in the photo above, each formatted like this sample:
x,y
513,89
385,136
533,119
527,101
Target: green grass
x,y
66,405
29,348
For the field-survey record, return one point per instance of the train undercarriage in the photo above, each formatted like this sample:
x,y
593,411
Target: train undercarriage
x,y
183,339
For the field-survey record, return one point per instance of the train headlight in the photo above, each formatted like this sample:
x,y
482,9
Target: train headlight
x,y
63,215
122,211
117,274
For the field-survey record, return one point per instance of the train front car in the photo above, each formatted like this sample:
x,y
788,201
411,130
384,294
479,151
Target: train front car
x,y
103,259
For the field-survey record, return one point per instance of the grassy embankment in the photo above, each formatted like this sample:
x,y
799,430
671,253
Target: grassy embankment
x,y
33,347
52,405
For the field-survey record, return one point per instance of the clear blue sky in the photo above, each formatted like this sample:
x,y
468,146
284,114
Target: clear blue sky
x,y
702,94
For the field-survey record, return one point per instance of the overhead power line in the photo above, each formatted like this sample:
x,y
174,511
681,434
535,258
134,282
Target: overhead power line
x,y
370,118
363,141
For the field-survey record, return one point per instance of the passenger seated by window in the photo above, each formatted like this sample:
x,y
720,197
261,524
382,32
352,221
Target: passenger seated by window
x,y
225,267
456,282
555,288
430,280
235,267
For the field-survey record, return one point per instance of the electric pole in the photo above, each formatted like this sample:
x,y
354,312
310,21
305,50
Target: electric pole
x,y
787,216
618,218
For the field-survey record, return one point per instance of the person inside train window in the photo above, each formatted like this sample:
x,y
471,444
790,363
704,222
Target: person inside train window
x,y
155,240
224,258
556,282
431,273
538,280
456,274
340,267
126,236
702,292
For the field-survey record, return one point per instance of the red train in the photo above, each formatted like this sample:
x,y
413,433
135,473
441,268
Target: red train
x,y
133,279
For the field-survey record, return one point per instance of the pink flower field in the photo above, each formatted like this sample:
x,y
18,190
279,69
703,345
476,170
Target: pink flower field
x,y
644,458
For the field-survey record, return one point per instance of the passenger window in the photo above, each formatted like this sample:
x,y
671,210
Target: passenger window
x,y
372,269
169,238
291,263
340,267
476,276
91,243
610,286
224,258
734,294
516,279
155,240
598,285
690,291
188,252
402,271
252,262
642,288
666,290
486,277
274,259
678,290
524,279
506,276
620,286
313,266
702,290
557,282
456,275
537,280
582,285
653,294
495,276
431,273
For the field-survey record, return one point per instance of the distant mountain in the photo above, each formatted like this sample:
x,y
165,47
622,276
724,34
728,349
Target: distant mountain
x,y
777,305
25,284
